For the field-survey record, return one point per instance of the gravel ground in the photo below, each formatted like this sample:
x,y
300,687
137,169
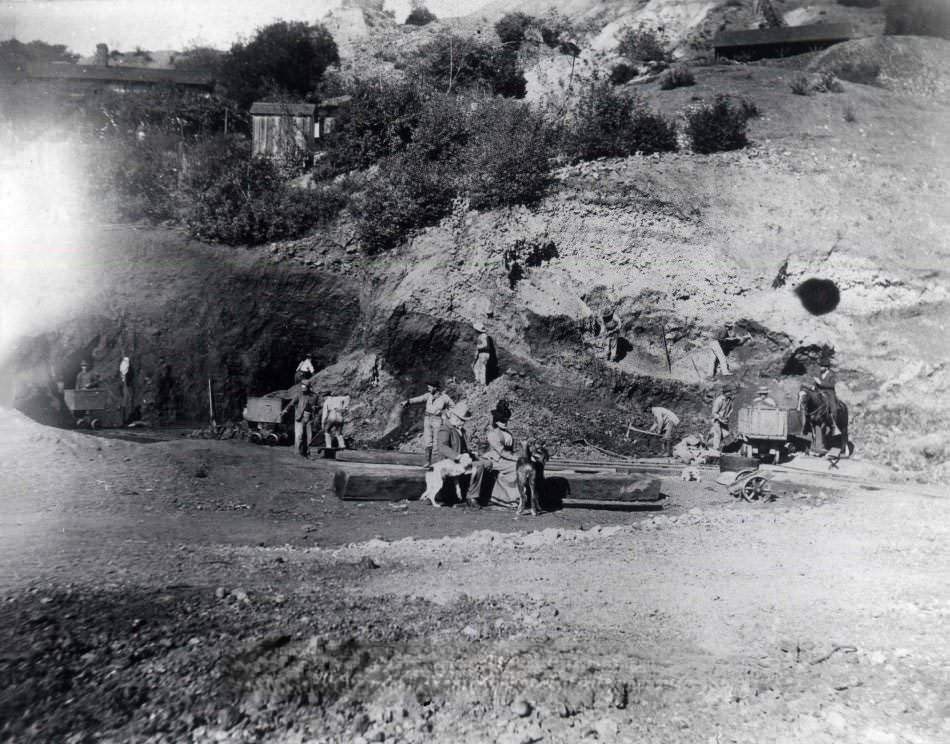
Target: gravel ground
x,y
142,602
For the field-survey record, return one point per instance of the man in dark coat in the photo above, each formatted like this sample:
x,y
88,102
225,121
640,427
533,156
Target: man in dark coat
x,y
451,444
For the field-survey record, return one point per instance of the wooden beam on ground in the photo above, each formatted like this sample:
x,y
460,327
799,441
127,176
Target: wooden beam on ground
x,y
396,484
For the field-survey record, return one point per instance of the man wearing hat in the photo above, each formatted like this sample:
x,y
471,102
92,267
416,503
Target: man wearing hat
x,y
451,444
825,384
305,369
303,404
86,380
485,358
762,399
722,407
664,424
437,402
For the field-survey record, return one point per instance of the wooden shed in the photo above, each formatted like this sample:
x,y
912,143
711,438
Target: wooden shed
x,y
767,43
282,129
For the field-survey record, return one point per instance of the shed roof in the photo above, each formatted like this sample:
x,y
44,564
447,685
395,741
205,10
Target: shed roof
x,y
40,71
335,102
279,108
818,32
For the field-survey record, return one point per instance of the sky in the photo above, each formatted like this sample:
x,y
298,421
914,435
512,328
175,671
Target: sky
x,y
170,24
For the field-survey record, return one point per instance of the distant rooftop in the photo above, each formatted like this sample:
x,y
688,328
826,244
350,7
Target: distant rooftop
x,y
118,74
812,34
279,108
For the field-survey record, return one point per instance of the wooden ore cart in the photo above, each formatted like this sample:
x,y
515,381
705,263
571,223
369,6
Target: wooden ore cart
x,y
264,419
769,433
94,408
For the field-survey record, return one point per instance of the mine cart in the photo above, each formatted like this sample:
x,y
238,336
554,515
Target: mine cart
x,y
263,416
769,433
93,408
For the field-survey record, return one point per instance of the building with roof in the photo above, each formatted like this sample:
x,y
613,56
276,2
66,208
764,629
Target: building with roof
x,y
766,43
280,129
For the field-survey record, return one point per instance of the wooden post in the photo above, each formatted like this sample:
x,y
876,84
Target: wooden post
x,y
666,349
211,405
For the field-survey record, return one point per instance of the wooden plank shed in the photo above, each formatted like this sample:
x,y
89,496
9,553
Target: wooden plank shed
x,y
765,43
280,129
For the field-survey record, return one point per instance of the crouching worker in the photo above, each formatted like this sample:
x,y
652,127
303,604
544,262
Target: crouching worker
x,y
304,404
451,445
333,417
664,424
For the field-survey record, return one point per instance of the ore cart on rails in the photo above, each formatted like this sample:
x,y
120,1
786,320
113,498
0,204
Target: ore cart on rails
x,y
770,434
94,409
264,419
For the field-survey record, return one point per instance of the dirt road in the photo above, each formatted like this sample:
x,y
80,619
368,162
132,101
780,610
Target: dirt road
x,y
212,591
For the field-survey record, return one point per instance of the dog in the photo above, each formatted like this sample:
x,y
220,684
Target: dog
x,y
445,470
529,473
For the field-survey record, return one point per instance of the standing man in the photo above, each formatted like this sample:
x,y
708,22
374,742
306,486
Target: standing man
x,y
437,402
303,403
304,370
485,359
332,418
825,384
451,444
125,367
664,424
722,408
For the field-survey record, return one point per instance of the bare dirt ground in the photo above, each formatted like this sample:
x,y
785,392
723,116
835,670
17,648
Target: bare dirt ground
x,y
144,601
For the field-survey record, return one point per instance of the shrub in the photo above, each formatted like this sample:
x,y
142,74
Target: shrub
x,y
378,123
420,16
138,180
850,115
249,203
406,194
622,73
453,63
917,18
677,77
511,28
750,108
717,127
828,83
642,44
506,162
800,85
608,123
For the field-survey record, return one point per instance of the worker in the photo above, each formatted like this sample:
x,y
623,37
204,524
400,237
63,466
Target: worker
x,y
125,369
610,330
664,424
825,384
486,361
437,402
304,370
762,399
722,408
332,418
451,444
723,340
303,403
86,379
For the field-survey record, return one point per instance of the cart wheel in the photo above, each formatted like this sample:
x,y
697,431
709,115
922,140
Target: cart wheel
x,y
94,424
272,438
81,423
755,488
255,437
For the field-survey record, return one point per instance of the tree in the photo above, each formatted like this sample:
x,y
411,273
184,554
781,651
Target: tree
x,y
512,28
420,15
453,63
288,57
642,44
15,53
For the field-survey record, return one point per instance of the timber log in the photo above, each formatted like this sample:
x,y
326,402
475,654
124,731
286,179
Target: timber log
x,y
396,483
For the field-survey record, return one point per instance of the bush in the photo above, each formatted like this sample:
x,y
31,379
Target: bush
x,y
249,203
420,16
677,77
138,180
917,18
622,73
454,63
828,83
378,123
750,108
511,28
608,123
850,115
406,194
800,85
717,127
642,44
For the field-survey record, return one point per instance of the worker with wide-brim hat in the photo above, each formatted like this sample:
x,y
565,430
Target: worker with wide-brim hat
x,y
437,403
451,443
722,408
304,405
825,384
764,399
485,364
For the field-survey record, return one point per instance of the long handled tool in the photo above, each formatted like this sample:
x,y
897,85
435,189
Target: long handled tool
x,y
631,427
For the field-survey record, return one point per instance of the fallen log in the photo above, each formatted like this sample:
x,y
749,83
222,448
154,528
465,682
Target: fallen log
x,y
396,484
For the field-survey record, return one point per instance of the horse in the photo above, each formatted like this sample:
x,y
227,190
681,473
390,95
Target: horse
x,y
818,422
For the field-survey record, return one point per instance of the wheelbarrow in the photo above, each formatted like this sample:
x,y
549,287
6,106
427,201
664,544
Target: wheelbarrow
x,y
748,485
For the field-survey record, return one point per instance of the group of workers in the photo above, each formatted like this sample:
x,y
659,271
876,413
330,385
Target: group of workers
x,y
332,417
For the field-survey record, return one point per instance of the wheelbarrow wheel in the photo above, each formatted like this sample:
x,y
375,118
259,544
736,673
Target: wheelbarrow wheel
x,y
755,488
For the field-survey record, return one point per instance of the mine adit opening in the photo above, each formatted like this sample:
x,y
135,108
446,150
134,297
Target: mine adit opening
x,y
818,296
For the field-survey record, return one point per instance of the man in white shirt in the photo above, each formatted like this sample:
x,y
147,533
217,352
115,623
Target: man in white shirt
x,y
304,370
664,424
437,403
